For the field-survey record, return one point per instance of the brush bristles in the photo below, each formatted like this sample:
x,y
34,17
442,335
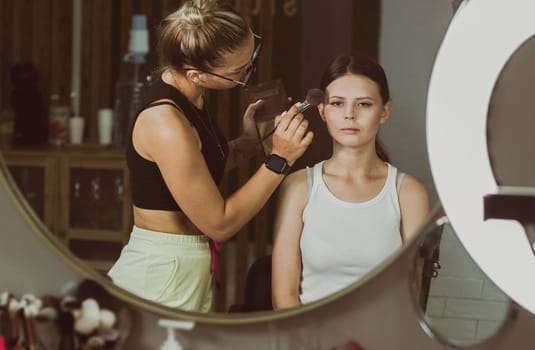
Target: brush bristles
x,y
314,97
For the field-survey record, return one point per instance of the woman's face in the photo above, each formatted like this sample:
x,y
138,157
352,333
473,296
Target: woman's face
x,y
353,110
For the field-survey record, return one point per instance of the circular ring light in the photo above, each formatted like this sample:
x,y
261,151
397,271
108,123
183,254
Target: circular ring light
x,y
480,39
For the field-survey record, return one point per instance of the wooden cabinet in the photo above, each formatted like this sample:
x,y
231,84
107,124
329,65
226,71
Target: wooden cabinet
x,y
94,201
37,177
80,193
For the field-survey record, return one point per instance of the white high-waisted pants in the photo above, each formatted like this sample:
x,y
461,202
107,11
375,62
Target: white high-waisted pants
x,y
171,269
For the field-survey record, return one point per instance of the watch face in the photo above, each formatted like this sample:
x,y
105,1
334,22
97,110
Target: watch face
x,y
277,164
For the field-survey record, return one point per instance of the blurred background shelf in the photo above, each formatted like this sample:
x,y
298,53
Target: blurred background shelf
x,y
80,193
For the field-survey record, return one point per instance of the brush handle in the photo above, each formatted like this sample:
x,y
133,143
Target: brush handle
x,y
266,136
302,107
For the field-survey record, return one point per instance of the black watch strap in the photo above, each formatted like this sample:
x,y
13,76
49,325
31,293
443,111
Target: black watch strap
x,y
277,164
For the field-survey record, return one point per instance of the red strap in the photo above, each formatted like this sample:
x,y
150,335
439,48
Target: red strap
x,y
2,343
215,247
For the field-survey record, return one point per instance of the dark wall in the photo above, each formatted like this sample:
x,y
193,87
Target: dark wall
x,y
330,29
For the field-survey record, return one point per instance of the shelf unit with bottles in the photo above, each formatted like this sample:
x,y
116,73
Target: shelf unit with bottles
x,y
80,193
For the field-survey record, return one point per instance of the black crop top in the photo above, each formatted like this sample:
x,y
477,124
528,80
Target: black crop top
x,y
149,190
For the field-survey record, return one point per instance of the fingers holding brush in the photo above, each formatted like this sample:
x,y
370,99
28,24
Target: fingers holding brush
x,y
291,137
288,117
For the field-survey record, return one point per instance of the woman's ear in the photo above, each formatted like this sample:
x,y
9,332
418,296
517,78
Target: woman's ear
x,y
193,75
321,110
387,108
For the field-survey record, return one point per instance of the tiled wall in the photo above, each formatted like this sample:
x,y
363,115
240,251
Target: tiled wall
x,y
463,303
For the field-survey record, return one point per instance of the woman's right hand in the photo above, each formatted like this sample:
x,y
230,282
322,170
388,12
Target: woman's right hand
x,y
292,137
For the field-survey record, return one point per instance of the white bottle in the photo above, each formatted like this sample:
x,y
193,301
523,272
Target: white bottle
x,y
130,88
171,342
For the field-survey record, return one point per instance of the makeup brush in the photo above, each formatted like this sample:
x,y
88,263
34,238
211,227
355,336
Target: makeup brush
x,y
314,97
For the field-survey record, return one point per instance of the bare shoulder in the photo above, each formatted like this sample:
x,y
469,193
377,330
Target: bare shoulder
x,y
412,186
162,128
291,201
295,182
294,188
164,120
296,179
413,196
414,206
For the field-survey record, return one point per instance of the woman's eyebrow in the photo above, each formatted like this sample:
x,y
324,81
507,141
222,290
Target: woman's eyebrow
x,y
356,98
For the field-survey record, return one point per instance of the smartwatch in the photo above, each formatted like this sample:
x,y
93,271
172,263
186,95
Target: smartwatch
x,y
277,164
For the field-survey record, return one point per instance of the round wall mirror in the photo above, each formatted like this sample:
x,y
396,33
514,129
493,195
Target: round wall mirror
x,y
76,180
365,315
473,148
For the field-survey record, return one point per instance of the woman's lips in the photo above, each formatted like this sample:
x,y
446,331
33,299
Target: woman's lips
x,y
350,130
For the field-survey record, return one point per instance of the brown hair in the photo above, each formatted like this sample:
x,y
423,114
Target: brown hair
x,y
360,65
199,33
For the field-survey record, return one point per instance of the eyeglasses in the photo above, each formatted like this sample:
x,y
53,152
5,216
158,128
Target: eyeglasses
x,y
248,72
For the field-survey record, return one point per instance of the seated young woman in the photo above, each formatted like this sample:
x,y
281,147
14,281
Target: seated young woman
x,y
341,218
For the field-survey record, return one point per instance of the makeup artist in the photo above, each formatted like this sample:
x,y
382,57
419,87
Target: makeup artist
x,y
177,155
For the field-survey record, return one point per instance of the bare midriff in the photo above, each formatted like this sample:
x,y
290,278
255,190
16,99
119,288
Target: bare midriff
x,y
164,221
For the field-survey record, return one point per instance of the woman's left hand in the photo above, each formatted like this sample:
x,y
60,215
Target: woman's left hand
x,y
249,125
246,145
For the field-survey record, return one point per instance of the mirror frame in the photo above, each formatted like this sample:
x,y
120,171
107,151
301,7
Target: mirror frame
x,y
461,168
85,271
439,221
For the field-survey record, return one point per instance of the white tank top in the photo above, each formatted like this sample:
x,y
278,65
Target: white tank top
x,y
341,241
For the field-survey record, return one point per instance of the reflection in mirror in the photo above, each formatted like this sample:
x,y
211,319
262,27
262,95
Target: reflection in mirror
x,y
81,192
460,304
510,117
